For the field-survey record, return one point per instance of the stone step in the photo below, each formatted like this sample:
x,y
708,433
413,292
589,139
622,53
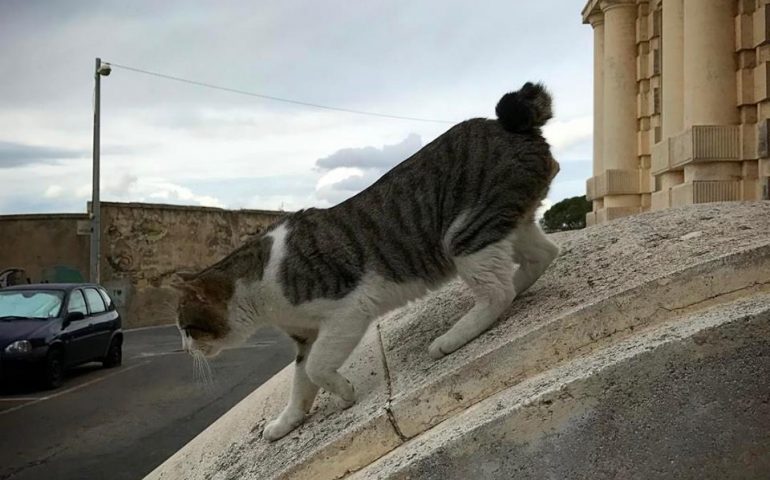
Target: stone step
x,y
689,398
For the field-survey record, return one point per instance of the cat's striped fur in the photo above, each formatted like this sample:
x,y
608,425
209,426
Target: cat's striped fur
x,y
462,206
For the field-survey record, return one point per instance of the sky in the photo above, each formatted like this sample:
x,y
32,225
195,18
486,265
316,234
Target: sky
x,y
171,142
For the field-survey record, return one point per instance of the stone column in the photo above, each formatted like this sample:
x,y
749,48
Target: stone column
x,y
710,99
672,37
597,22
672,82
709,63
619,103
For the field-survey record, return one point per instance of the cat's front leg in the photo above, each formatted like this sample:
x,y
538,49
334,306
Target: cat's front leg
x,y
303,393
336,340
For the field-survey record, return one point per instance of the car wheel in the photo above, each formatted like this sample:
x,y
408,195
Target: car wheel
x,y
53,376
114,355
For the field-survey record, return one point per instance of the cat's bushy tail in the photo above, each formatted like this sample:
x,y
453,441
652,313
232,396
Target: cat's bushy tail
x,y
526,109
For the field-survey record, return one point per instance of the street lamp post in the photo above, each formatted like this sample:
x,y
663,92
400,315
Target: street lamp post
x,y
101,69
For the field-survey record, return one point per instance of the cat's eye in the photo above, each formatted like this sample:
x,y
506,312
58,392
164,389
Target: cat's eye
x,y
192,328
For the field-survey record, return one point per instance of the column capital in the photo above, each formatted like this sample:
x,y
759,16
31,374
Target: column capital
x,y
596,18
591,7
606,5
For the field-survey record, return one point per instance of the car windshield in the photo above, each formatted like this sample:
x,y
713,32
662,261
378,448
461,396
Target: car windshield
x,y
25,304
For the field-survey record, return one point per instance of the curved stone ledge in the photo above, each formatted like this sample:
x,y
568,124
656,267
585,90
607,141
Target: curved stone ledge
x,y
685,400
612,284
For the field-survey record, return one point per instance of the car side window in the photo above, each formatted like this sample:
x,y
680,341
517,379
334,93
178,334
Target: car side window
x,y
107,300
77,303
95,301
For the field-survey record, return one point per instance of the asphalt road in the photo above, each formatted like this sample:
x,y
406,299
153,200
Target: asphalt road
x,y
121,423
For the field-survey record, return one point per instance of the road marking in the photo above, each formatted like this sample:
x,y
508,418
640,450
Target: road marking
x,y
139,329
72,389
20,399
156,354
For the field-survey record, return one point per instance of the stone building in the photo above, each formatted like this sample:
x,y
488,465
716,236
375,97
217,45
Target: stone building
x,y
143,246
681,103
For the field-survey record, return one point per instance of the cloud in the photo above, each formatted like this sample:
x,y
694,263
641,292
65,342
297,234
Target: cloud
x,y
544,206
450,63
123,149
335,185
290,192
83,191
20,154
74,193
156,190
338,175
573,170
53,191
124,186
370,157
564,135
171,193
350,170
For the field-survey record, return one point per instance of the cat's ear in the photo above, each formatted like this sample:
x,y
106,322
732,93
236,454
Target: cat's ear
x,y
183,280
186,275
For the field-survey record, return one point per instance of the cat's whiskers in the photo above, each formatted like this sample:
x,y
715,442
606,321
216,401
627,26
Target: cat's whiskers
x,y
202,370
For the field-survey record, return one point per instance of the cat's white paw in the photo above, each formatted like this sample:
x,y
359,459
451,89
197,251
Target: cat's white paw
x,y
279,428
347,393
441,347
349,397
345,404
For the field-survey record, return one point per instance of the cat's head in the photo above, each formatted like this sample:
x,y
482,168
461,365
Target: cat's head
x,y
203,312
206,315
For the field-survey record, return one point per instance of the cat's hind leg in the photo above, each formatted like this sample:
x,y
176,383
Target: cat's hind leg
x,y
489,275
533,252
336,340
303,392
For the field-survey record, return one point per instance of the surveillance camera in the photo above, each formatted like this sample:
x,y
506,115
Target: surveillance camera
x,y
104,69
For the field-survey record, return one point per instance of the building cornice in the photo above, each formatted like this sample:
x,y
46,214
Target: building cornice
x,y
591,8
596,8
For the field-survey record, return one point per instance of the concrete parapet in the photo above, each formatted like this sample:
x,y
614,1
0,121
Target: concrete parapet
x,y
685,400
599,356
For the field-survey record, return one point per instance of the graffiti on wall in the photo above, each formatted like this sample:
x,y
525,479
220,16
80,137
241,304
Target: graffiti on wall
x,y
12,276
52,274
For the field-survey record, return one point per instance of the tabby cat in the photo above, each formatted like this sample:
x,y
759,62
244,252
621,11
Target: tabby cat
x,y
463,205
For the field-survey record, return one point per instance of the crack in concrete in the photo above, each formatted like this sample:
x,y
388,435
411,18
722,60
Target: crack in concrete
x,y
597,342
32,464
389,388
753,285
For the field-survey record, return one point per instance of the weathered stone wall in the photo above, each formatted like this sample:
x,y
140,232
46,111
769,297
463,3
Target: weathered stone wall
x,y
43,244
144,245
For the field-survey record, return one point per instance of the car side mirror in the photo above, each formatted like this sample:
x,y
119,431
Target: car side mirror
x,y
72,317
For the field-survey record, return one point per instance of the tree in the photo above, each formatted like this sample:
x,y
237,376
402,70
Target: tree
x,y
569,214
